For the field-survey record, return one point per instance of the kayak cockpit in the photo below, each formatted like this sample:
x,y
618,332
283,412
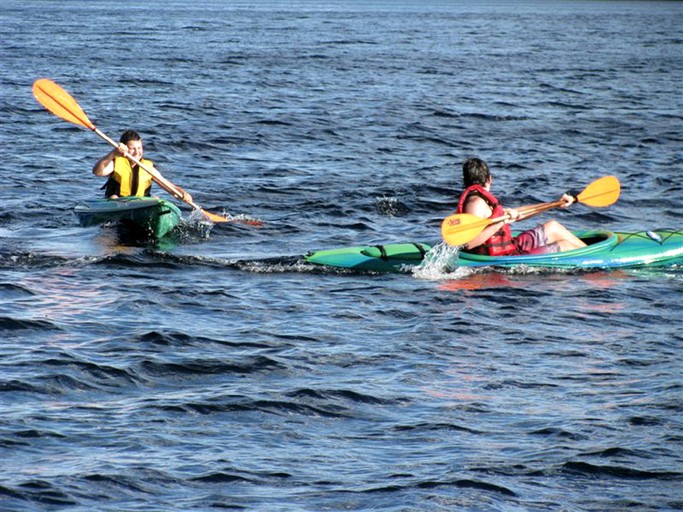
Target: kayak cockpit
x,y
597,241
592,238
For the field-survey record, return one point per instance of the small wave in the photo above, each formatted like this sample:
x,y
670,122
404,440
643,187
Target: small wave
x,y
274,122
619,472
460,483
32,260
207,367
276,407
16,324
558,433
427,138
220,478
14,290
477,484
445,114
37,434
620,452
17,385
234,475
57,384
123,482
334,394
141,259
180,339
494,117
38,491
279,265
507,383
645,421
136,82
26,438
430,427
274,265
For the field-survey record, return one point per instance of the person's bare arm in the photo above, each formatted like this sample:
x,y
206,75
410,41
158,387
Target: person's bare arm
x,y
105,165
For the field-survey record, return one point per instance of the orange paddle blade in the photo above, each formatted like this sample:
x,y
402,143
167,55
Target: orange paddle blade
x,y
248,222
60,103
460,228
214,217
602,192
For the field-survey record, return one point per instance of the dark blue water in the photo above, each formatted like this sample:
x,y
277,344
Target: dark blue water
x,y
218,371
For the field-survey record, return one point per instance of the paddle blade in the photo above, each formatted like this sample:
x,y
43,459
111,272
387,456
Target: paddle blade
x,y
462,228
602,192
213,217
60,103
256,223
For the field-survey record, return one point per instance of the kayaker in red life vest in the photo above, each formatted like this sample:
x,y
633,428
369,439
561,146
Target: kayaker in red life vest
x,y
497,239
126,178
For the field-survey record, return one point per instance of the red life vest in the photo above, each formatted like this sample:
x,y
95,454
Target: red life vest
x,y
501,243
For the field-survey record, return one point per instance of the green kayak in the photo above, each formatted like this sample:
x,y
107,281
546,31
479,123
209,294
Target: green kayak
x,y
605,250
148,216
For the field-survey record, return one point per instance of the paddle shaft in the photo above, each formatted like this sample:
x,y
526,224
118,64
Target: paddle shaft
x,y
525,212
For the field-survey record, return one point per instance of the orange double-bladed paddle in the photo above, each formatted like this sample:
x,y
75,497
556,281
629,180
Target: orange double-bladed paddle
x,y
461,228
62,104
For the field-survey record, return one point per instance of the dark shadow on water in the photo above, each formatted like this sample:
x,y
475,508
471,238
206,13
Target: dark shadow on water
x,y
114,236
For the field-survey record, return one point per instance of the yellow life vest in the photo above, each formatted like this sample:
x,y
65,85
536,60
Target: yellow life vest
x,y
123,175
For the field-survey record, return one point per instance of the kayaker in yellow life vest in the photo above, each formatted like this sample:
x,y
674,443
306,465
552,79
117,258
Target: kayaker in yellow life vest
x,y
126,178
497,239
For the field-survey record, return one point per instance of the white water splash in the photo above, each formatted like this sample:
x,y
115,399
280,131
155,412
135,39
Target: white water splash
x,y
441,262
194,227
391,206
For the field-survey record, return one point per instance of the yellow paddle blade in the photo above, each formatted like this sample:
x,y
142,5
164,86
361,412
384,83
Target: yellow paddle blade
x,y
460,228
60,103
602,192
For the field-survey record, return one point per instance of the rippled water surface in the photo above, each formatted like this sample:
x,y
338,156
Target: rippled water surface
x,y
218,371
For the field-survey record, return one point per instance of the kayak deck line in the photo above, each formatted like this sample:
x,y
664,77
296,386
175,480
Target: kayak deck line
x,y
380,251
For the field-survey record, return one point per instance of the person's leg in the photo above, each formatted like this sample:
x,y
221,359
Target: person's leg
x,y
556,232
535,241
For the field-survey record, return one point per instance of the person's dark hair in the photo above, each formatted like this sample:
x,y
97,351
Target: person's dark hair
x,y
475,172
129,135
